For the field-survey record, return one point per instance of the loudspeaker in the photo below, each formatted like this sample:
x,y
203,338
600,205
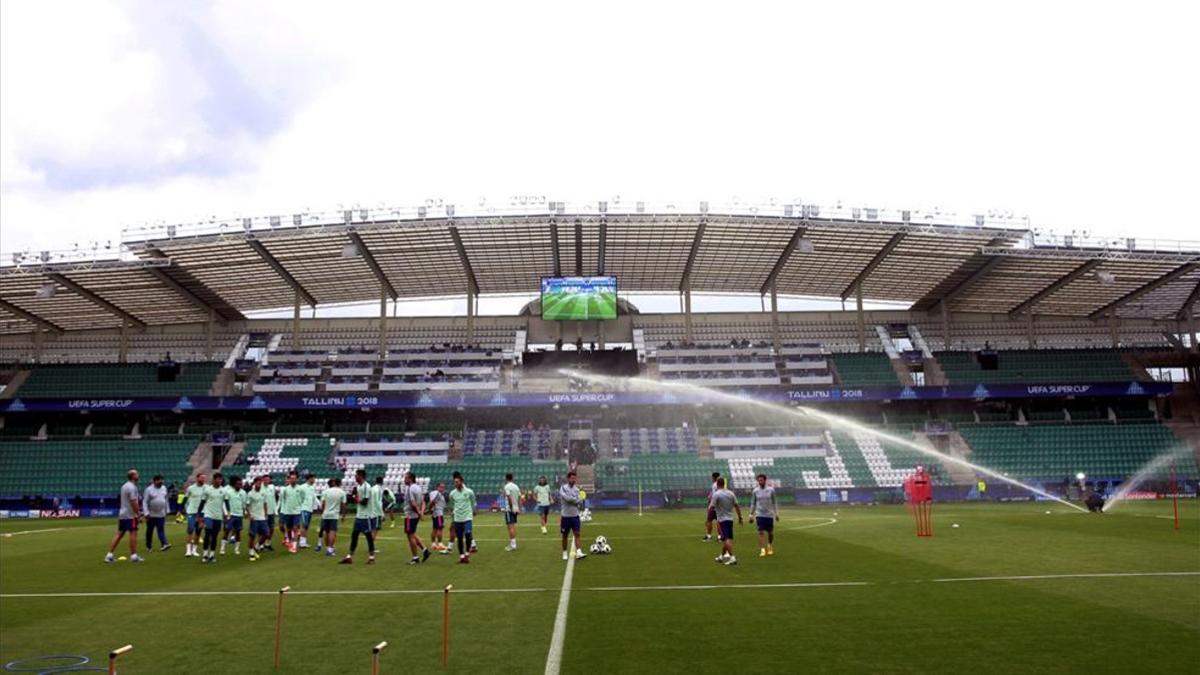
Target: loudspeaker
x,y
988,360
167,371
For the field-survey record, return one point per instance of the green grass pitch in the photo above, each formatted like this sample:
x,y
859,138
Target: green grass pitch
x,y
581,307
850,590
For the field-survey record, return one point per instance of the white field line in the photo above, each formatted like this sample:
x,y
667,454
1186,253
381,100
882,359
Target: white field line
x,y
554,656
48,529
824,522
1092,575
567,588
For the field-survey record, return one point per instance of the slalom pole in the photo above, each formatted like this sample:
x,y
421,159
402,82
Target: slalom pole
x,y
639,499
1174,496
446,625
112,657
279,623
375,652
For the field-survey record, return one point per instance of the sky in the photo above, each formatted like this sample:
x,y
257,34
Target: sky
x,y
1081,115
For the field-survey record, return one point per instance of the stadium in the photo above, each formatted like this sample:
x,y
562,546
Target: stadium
x,y
1032,378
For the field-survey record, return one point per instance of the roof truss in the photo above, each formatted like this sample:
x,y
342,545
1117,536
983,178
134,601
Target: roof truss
x,y
1191,300
1074,274
601,243
365,252
283,273
783,259
554,248
685,282
879,258
95,299
1145,288
466,261
29,316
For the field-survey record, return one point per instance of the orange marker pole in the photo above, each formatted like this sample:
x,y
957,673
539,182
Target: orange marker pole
x,y
112,657
279,623
446,625
375,652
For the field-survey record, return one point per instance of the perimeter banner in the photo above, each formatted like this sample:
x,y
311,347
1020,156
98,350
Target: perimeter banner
x,y
666,396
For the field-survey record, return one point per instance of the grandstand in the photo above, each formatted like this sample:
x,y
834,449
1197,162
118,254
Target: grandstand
x,y
1076,385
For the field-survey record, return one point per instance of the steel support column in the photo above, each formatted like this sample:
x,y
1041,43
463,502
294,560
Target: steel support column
x,y
123,349
687,315
296,320
862,321
383,318
775,338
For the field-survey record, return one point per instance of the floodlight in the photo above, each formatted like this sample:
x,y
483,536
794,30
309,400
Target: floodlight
x,y
1080,476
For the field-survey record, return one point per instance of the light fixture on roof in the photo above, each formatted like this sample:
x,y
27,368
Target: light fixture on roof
x,y
906,216
247,224
347,215
805,245
603,206
1106,278
45,291
421,211
45,256
703,207
787,210
297,219
274,221
449,210
811,210
1130,244
641,207
350,251
362,214
170,232
979,220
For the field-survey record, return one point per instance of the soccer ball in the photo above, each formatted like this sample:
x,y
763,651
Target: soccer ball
x,y
601,541
585,516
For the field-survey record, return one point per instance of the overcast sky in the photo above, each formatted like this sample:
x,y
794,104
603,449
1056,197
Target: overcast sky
x,y
1081,115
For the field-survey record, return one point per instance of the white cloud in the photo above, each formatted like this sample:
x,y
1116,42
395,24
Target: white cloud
x,y
1079,114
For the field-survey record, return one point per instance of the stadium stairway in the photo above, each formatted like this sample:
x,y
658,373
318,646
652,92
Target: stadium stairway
x,y
959,448
200,460
1136,366
586,477
902,372
12,380
231,457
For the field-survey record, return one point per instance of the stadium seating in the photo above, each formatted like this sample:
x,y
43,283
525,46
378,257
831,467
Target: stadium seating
x,y
539,443
865,369
671,440
277,455
88,467
1033,366
116,380
1058,451
147,347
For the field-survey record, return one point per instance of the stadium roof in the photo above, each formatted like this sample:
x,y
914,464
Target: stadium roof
x,y
179,274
